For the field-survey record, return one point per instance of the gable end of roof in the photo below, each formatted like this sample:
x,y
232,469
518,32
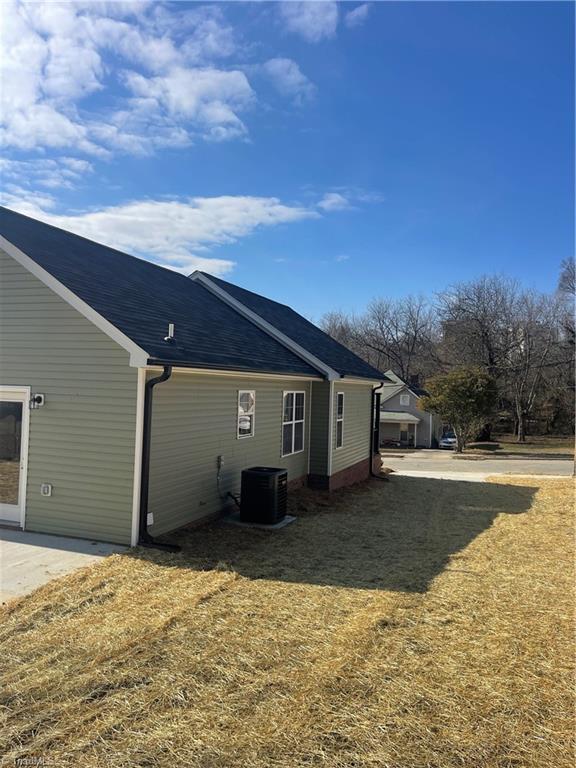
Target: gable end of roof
x,y
138,356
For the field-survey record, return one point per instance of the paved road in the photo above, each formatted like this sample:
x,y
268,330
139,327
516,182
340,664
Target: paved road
x,y
28,560
429,463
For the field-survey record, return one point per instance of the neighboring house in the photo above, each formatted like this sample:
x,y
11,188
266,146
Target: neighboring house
x,y
132,396
401,418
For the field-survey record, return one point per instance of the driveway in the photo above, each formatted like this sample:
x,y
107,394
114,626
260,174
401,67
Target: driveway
x,y
28,560
446,465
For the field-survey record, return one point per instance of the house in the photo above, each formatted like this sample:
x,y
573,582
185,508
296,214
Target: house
x,y
132,396
401,418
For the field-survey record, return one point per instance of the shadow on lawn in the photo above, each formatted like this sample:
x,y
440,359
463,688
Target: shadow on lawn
x,y
394,536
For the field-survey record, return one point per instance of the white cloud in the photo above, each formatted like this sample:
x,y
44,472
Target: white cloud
x,y
50,173
170,233
54,56
289,80
210,98
341,257
314,21
333,201
357,16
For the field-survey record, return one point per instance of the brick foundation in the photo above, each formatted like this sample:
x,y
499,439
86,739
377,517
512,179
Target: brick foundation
x,y
354,474
297,482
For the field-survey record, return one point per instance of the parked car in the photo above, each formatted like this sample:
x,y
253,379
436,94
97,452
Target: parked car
x,y
448,440
386,443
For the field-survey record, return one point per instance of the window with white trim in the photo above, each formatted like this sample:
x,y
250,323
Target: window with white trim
x,y
404,399
292,423
339,419
246,412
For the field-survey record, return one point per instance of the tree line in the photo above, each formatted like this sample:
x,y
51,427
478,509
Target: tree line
x,y
523,339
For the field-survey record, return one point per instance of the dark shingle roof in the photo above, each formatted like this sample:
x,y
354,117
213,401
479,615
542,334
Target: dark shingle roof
x,y
303,332
141,298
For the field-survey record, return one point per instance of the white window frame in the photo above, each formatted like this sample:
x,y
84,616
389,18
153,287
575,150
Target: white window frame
x,y
339,419
293,422
405,398
253,414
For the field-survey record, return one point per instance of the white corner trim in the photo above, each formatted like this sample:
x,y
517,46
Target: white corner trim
x,y
265,326
139,434
138,357
330,428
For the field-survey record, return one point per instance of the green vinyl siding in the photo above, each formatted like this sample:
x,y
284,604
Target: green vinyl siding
x,y
357,408
82,439
195,421
319,431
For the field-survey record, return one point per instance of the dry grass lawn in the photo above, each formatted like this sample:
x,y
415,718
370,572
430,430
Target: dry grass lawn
x,y
543,446
411,624
9,481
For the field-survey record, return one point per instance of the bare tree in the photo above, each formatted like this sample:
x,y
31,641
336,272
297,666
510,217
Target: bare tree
x,y
402,332
514,334
348,330
524,340
477,322
536,335
567,280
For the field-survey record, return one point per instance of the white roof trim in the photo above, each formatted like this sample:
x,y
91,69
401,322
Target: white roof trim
x,y
138,356
357,380
265,326
396,391
399,416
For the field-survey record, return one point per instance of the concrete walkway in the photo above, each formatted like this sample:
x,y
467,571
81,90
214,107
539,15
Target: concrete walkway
x,y
28,560
444,465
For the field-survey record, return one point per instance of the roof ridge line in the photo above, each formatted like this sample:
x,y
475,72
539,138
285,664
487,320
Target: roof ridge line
x,y
241,287
330,373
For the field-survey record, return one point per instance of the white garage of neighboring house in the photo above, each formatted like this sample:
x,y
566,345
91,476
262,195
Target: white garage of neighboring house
x,y
132,396
402,420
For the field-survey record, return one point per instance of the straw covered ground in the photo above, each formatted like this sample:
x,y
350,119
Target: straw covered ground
x,y
412,624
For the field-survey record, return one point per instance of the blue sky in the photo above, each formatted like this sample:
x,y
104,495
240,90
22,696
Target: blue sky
x,y
319,153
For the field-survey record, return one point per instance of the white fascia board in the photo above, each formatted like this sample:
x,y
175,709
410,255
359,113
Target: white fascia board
x,y
138,357
357,380
393,377
265,326
237,374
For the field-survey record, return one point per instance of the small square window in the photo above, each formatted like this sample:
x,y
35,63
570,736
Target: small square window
x,y
404,399
246,412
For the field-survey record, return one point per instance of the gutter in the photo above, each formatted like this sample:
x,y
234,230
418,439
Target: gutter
x,y
144,538
154,362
